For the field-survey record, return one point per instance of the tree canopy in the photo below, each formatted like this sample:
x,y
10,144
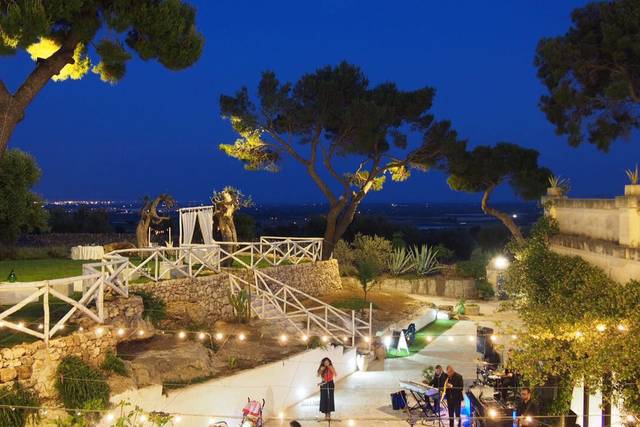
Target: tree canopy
x,y
69,38
21,210
592,73
484,168
579,325
329,115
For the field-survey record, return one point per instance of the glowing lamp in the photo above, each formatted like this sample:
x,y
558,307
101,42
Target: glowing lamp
x,y
493,413
219,336
500,262
494,338
182,335
242,337
283,338
386,341
601,327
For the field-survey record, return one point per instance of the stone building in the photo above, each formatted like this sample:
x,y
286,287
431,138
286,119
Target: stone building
x,y
604,232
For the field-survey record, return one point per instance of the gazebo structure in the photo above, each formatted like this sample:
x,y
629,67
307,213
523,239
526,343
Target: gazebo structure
x,y
188,217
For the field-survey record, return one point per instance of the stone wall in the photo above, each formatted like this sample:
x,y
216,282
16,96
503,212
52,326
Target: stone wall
x,y
34,364
204,300
604,232
433,285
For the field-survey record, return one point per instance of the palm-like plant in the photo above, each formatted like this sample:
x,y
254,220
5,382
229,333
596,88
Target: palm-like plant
x,y
556,181
400,261
425,259
633,175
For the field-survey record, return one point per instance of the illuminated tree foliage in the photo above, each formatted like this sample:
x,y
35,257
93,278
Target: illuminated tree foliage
x,y
579,324
21,210
484,168
345,133
58,33
593,74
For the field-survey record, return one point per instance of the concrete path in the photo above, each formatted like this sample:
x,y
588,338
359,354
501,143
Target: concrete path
x,y
362,399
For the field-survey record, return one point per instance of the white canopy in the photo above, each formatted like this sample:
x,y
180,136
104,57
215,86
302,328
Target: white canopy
x,y
188,217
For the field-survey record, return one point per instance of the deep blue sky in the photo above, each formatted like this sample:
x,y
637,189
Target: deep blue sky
x,y
158,130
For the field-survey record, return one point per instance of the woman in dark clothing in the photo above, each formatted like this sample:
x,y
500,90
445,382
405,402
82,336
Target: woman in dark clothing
x,y
327,372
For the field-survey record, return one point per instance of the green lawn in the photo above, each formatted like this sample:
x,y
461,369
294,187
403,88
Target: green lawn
x,y
351,304
31,270
433,329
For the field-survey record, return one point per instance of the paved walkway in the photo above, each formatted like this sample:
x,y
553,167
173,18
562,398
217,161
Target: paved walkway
x,y
362,399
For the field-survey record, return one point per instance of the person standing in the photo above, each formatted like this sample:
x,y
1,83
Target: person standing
x,y
454,395
527,409
327,372
437,381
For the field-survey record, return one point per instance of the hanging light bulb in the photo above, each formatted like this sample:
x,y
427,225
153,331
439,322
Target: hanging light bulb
x,y
242,337
219,336
201,336
601,327
182,335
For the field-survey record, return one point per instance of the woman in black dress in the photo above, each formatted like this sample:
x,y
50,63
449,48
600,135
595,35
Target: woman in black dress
x,y
327,372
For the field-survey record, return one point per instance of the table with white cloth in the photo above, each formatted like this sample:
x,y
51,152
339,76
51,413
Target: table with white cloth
x,y
87,252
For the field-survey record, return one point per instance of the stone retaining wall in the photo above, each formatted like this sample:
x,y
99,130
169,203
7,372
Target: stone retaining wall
x,y
434,285
204,300
34,364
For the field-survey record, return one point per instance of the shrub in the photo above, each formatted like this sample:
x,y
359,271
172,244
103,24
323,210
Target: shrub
x,y
485,289
400,261
474,268
20,397
343,253
154,308
375,248
367,270
425,260
78,384
241,305
445,254
112,363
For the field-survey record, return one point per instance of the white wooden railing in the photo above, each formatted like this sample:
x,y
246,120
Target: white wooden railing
x,y
99,277
270,299
159,262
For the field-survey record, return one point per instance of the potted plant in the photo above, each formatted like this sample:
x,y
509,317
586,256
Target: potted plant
x,y
558,186
633,188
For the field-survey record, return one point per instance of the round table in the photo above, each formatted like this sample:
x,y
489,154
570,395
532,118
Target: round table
x,y
87,252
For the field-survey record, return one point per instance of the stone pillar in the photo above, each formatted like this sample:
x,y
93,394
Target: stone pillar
x,y
629,216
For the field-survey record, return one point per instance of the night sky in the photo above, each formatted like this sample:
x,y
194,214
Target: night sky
x,y
158,130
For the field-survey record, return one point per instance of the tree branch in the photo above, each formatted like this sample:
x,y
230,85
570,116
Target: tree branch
x,y
503,217
46,69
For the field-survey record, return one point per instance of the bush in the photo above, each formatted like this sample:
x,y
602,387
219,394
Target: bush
x,y
241,305
445,255
485,289
474,268
113,363
23,253
343,253
154,308
78,384
18,396
378,249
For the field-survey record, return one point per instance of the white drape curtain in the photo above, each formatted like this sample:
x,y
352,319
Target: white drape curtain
x,y
205,219
188,225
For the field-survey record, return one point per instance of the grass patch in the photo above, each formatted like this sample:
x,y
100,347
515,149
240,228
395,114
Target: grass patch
x,y
433,329
33,270
352,303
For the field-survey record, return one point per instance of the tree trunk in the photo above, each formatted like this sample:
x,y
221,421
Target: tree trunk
x,y
585,406
501,216
142,233
339,218
13,107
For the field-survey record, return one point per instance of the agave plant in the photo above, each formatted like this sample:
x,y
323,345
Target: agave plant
x,y
400,261
633,175
240,304
556,181
425,259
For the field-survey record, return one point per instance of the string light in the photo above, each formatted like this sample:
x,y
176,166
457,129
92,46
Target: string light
x,y
40,326
351,423
429,338
305,338
367,339
472,338
143,418
621,327
110,417
450,339
219,336
345,338
141,332
493,413
515,337
494,338
20,324
324,338
528,419
80,328
120,332
177,419
578,334
62,327
182,335
201,336
283,338
242,337
281,415
601,327
99,331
